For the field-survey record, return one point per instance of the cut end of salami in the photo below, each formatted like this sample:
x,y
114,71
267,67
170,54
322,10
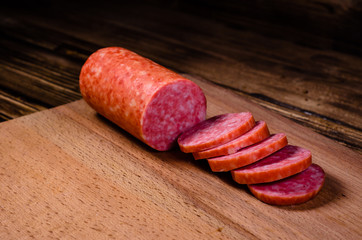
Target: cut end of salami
x,y
296,189
215,131
175,107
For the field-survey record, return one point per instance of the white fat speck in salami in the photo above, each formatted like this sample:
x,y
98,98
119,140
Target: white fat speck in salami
x,y
249,154
296,189
147,100
281,164
215,131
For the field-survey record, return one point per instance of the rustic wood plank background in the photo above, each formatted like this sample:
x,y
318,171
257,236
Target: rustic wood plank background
x,y
302,59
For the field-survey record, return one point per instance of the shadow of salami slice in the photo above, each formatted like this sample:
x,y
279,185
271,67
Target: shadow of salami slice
x,y
286,162
215,131
151,102
258,133
249,154
296,189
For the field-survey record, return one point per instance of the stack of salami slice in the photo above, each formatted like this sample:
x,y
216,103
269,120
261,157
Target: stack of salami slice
x,y
275,172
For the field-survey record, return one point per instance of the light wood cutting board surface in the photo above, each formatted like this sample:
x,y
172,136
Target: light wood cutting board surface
x,y
69,173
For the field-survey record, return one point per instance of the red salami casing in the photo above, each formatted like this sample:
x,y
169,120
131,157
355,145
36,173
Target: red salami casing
x,y
147,100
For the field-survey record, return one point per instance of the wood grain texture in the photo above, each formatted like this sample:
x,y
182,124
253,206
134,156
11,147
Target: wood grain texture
x,y
12,107
69,173
301,58
320,24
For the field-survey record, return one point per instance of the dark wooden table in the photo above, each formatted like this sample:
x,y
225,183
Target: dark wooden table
x,y
302,59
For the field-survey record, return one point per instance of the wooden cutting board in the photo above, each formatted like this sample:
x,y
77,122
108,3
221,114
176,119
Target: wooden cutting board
x,y
69,173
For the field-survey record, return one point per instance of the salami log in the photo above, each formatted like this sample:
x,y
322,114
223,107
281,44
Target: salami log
x,y
296,189
215,131
286,162
258,133
249,154
152,103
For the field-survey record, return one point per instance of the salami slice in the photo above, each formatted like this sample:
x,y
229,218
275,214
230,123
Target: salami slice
x,y
296,189
152,103
215,131
286,162
258,133
249,154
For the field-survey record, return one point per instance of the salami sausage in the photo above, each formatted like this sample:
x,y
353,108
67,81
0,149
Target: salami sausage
x,y
152,103
215,131
286,162
258,133
296,189
249,154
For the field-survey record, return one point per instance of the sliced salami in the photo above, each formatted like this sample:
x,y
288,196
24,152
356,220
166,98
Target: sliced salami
x,y
249,154
296,189
286,162
151,102
215,131
258,133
